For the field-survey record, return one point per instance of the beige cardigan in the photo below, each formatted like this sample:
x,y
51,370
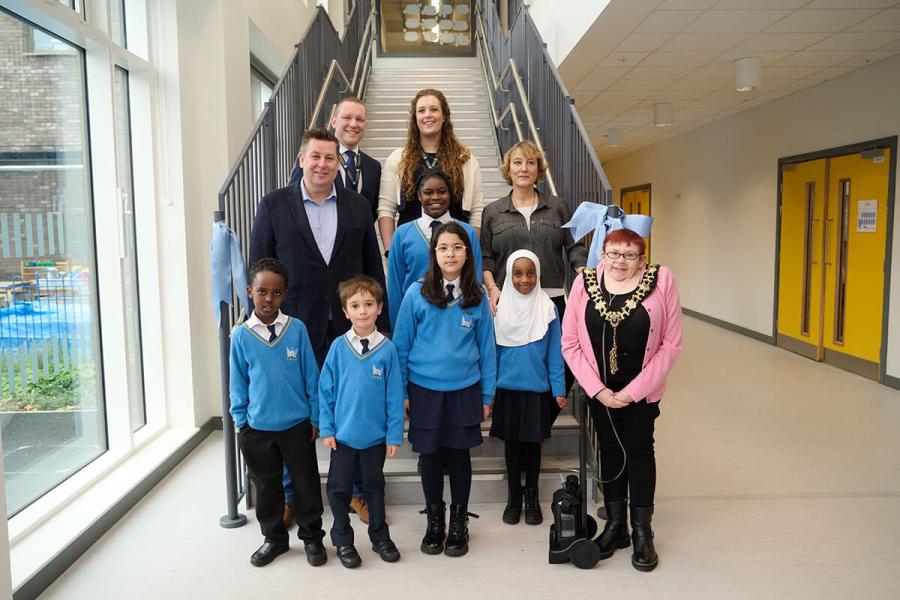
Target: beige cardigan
x,y
389,196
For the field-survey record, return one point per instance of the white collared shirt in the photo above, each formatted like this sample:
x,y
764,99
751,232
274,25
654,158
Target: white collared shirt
x,y
262,330
457,292
425,221
374,339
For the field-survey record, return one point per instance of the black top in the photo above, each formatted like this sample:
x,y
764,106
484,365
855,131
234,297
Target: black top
x,y
631,339
411,209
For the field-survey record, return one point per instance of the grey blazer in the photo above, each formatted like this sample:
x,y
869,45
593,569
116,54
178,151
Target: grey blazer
x,y
503,231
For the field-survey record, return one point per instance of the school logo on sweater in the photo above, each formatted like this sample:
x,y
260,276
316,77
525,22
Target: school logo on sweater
x,y
465,323
291,353
377,371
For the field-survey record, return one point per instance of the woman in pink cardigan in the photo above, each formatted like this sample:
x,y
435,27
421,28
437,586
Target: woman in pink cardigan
x,y
621,335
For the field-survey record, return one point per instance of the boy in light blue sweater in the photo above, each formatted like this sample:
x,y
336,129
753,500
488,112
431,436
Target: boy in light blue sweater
x,y
274,404
361,417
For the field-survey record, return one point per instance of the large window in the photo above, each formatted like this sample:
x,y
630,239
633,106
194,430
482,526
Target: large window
x,y
51,390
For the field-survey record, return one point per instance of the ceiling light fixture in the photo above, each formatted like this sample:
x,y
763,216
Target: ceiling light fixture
x,y
663,114
613,137
747,73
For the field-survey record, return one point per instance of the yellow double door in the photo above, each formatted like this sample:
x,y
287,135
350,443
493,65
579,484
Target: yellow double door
x,y
832,259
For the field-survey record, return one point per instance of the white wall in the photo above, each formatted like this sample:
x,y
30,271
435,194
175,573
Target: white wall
x,y
714,192
213,94
562,29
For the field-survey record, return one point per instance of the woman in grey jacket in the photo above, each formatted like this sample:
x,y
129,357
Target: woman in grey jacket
x,y
528,219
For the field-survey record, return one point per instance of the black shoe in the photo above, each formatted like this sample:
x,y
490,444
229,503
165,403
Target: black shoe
x,y
315,553
386,550
348,556
644,557
267,553
513,511
533,514
458,532
615,531
433,542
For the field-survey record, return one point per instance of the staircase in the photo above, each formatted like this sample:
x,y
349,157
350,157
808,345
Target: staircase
x,y
389,92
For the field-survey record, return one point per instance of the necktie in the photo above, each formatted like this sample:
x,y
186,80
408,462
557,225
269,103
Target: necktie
x,y
450,287
272,335
434,225
350,168
365,344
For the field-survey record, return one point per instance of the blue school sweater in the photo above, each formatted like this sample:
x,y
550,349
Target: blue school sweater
x,y
273,385
534,367
361,395
408,261
446,349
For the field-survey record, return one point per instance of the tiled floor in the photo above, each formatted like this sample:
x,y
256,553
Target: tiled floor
x,y
778,478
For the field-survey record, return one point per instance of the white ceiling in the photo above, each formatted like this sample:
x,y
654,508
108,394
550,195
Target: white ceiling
x,y
640,52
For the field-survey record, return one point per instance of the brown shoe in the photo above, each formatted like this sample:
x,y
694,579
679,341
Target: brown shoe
x,y
288,517
359,506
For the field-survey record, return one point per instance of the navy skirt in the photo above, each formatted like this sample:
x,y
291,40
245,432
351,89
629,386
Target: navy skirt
x,y
523,416
444,419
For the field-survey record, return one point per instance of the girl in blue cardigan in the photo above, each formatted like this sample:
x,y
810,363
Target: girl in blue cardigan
x,y
445,340
409,255
531,380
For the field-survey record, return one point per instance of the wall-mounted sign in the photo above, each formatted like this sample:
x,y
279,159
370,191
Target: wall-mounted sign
x,y
867,216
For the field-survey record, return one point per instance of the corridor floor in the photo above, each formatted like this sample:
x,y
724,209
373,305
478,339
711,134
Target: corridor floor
x,y
778,478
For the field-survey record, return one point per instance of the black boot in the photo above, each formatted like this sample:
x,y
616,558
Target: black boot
x,y
644,557
513,511
433,542
458,532
615,531
533,514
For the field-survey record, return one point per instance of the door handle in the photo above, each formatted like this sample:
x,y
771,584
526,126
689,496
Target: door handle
x,y
825,245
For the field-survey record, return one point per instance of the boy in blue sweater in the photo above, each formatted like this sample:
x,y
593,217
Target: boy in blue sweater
x,y
274,405
361,417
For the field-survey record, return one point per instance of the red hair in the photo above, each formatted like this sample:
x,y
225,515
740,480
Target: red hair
x,y
625,236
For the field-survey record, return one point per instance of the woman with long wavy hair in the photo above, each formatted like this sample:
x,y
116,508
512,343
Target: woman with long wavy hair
x,y
430,143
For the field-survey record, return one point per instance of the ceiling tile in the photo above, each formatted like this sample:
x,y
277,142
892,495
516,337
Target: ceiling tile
x,y
746,21
715,71
683,95
703,42
851,3
627,84
759,4
686,4
623,59
781,42
805,21
667,21
869,58
592,87
833,72
695,85
789,73
678,59
888,20
848,42
818,59
643,71
606,73
644,42
768,58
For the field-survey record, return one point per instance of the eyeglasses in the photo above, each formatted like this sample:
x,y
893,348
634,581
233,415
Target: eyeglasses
x,y
629,256
454,249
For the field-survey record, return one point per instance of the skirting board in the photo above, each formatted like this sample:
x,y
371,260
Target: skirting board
x,y
768,339
56,567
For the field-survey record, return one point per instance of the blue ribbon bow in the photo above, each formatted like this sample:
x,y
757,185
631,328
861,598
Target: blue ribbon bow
x,y
228,270
601,219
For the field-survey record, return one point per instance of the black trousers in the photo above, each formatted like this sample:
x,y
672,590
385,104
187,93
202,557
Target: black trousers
x,y
634,425
346,462
560,302
265,452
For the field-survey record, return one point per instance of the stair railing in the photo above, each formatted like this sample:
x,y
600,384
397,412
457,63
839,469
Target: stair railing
x,y
266,160
539,94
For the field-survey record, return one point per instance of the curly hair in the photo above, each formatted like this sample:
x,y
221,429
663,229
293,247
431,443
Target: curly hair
x,y
268,264
451,155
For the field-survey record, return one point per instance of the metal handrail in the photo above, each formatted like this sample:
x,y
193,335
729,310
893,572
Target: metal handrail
x,y
265,163
511,107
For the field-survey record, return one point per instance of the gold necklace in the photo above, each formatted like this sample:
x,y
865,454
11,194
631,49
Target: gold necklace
x,y
615,317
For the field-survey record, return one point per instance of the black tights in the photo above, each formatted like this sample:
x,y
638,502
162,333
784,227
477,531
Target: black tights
x,y
523,455
634,424
459,466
